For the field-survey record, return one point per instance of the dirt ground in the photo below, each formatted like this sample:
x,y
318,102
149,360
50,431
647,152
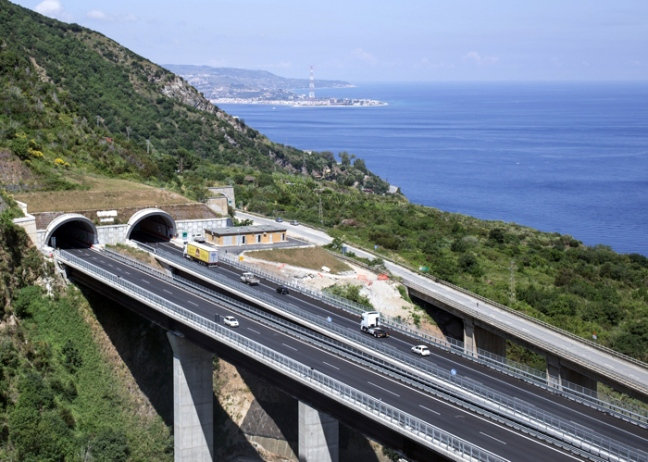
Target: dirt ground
x,y
381,291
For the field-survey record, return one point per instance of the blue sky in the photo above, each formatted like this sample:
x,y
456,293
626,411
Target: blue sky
x,y
378,40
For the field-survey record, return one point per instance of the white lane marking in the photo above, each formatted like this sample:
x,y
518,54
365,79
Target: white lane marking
x,y
168,291
492,437
193,303
144,280
255,331
428,409
384,389
331,365
291,347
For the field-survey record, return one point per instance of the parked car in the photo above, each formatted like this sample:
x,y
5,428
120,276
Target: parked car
x,y
294,223
377,332
230,321
278,219
283,290
422,350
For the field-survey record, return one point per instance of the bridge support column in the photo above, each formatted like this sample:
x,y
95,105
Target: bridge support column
x,y
470,343
553,371
319,438
193,414
560,375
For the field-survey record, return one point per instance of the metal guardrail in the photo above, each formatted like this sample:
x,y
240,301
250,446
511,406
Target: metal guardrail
x,y
536,418
391,416
568,389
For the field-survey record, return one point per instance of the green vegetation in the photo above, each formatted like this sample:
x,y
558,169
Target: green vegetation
x,y
350,292
60,398
74,100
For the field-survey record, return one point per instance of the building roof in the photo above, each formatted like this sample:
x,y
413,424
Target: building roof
x,y
238,230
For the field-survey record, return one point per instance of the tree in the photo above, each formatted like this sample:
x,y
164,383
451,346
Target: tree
x,y
109,446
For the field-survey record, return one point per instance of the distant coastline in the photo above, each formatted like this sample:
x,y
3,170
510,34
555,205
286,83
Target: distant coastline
x,y
303,102
243,86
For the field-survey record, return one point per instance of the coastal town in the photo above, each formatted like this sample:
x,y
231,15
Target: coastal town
x,y
239,86
302,101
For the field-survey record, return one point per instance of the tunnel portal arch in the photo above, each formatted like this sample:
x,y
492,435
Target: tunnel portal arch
x,y
70,230
151,225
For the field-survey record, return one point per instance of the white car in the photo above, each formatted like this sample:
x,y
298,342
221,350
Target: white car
x,y
421,350
230,321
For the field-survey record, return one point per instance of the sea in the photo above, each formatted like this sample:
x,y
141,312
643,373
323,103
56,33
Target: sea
x,y
570,158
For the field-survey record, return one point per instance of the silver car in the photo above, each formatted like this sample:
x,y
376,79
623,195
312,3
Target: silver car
x,y
422,350
230,321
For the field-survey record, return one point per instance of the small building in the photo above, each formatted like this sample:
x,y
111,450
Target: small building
x,y
246,235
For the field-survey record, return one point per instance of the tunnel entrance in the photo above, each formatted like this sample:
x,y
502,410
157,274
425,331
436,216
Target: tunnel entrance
x,y
151,225
70,231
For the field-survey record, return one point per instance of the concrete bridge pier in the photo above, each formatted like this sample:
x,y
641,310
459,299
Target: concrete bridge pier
x,y
477,338
560,375
319,437
470,340
193,414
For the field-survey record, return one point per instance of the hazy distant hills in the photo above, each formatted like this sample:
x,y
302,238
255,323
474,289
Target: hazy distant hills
x,y
228,82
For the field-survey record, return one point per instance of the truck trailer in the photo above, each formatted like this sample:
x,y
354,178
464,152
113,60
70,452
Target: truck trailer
x,y
202,253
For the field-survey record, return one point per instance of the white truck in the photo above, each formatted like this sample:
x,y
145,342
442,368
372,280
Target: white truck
x,y
370,324
369,319
250,279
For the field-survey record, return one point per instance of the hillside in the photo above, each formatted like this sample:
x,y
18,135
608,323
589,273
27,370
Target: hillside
x,y
226,82
73,100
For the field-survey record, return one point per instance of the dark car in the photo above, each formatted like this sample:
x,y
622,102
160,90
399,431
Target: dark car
x,y
378,332
283,290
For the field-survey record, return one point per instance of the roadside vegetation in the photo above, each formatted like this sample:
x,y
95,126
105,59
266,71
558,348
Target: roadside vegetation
x,y
61,397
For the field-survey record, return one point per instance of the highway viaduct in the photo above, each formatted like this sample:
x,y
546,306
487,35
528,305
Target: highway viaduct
x,y
157,222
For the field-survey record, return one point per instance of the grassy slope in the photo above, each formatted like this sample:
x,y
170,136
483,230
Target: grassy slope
x,y
63,394
74,100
